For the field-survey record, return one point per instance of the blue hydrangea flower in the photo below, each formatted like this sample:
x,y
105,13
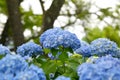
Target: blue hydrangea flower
x,y
84,50
116,52
103,46
104,68
4,50
37,70
50,55
6,76
49,32
62,78
84,43
14,67
27,75
29,49
107,58
12,64
53,38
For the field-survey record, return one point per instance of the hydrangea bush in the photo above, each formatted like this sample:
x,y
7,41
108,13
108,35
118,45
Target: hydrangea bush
x,y
104,68
29,49
61,56
14,67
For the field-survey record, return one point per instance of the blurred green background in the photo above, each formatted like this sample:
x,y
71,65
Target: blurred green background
x,y
25,20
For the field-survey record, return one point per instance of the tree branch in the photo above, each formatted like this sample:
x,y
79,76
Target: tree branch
x,y
42,6
51,14
5,33
15,21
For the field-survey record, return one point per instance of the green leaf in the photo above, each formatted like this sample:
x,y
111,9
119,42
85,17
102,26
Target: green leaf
x,y
46,50
49,67
1,56
68,50
63,57
54,51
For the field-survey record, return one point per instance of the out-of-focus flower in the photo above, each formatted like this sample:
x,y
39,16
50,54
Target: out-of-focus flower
x,y
84,50
14,67
38,71
62,78
92,59
12,64
27,75
29,49
4,50
103,68
6,76
103,46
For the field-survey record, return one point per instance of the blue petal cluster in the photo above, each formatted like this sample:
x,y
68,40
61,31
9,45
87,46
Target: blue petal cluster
x,y
99,47
38,71
27,75
103,46
53,38
84,50
104,68
62,78
14,67
12,64
4,50
116,52
29,49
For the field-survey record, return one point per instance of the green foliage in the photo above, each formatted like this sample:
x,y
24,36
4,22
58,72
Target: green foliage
x,y
108,32
82,9
30,19
63,65
92,34
3,8
1,56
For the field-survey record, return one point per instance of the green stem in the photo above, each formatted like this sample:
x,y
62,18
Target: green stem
x,y
83,59
64,67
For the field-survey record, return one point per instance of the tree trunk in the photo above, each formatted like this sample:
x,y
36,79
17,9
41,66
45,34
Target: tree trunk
x,y
15,21
5,34
51,14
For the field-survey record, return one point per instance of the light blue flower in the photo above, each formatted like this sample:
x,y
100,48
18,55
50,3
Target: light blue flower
x,y
53,38
116,52
84,50
108,58
84,43
104,68
29,49
27,75
62,78
4,50
12,64
49,32
6,76
38,71
103,46
14,67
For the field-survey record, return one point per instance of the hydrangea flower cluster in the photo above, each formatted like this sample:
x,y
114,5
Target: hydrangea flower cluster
x,y
53,38
62,78
99,47
104,68
84,50
29,49
103,46
14,67
4,50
